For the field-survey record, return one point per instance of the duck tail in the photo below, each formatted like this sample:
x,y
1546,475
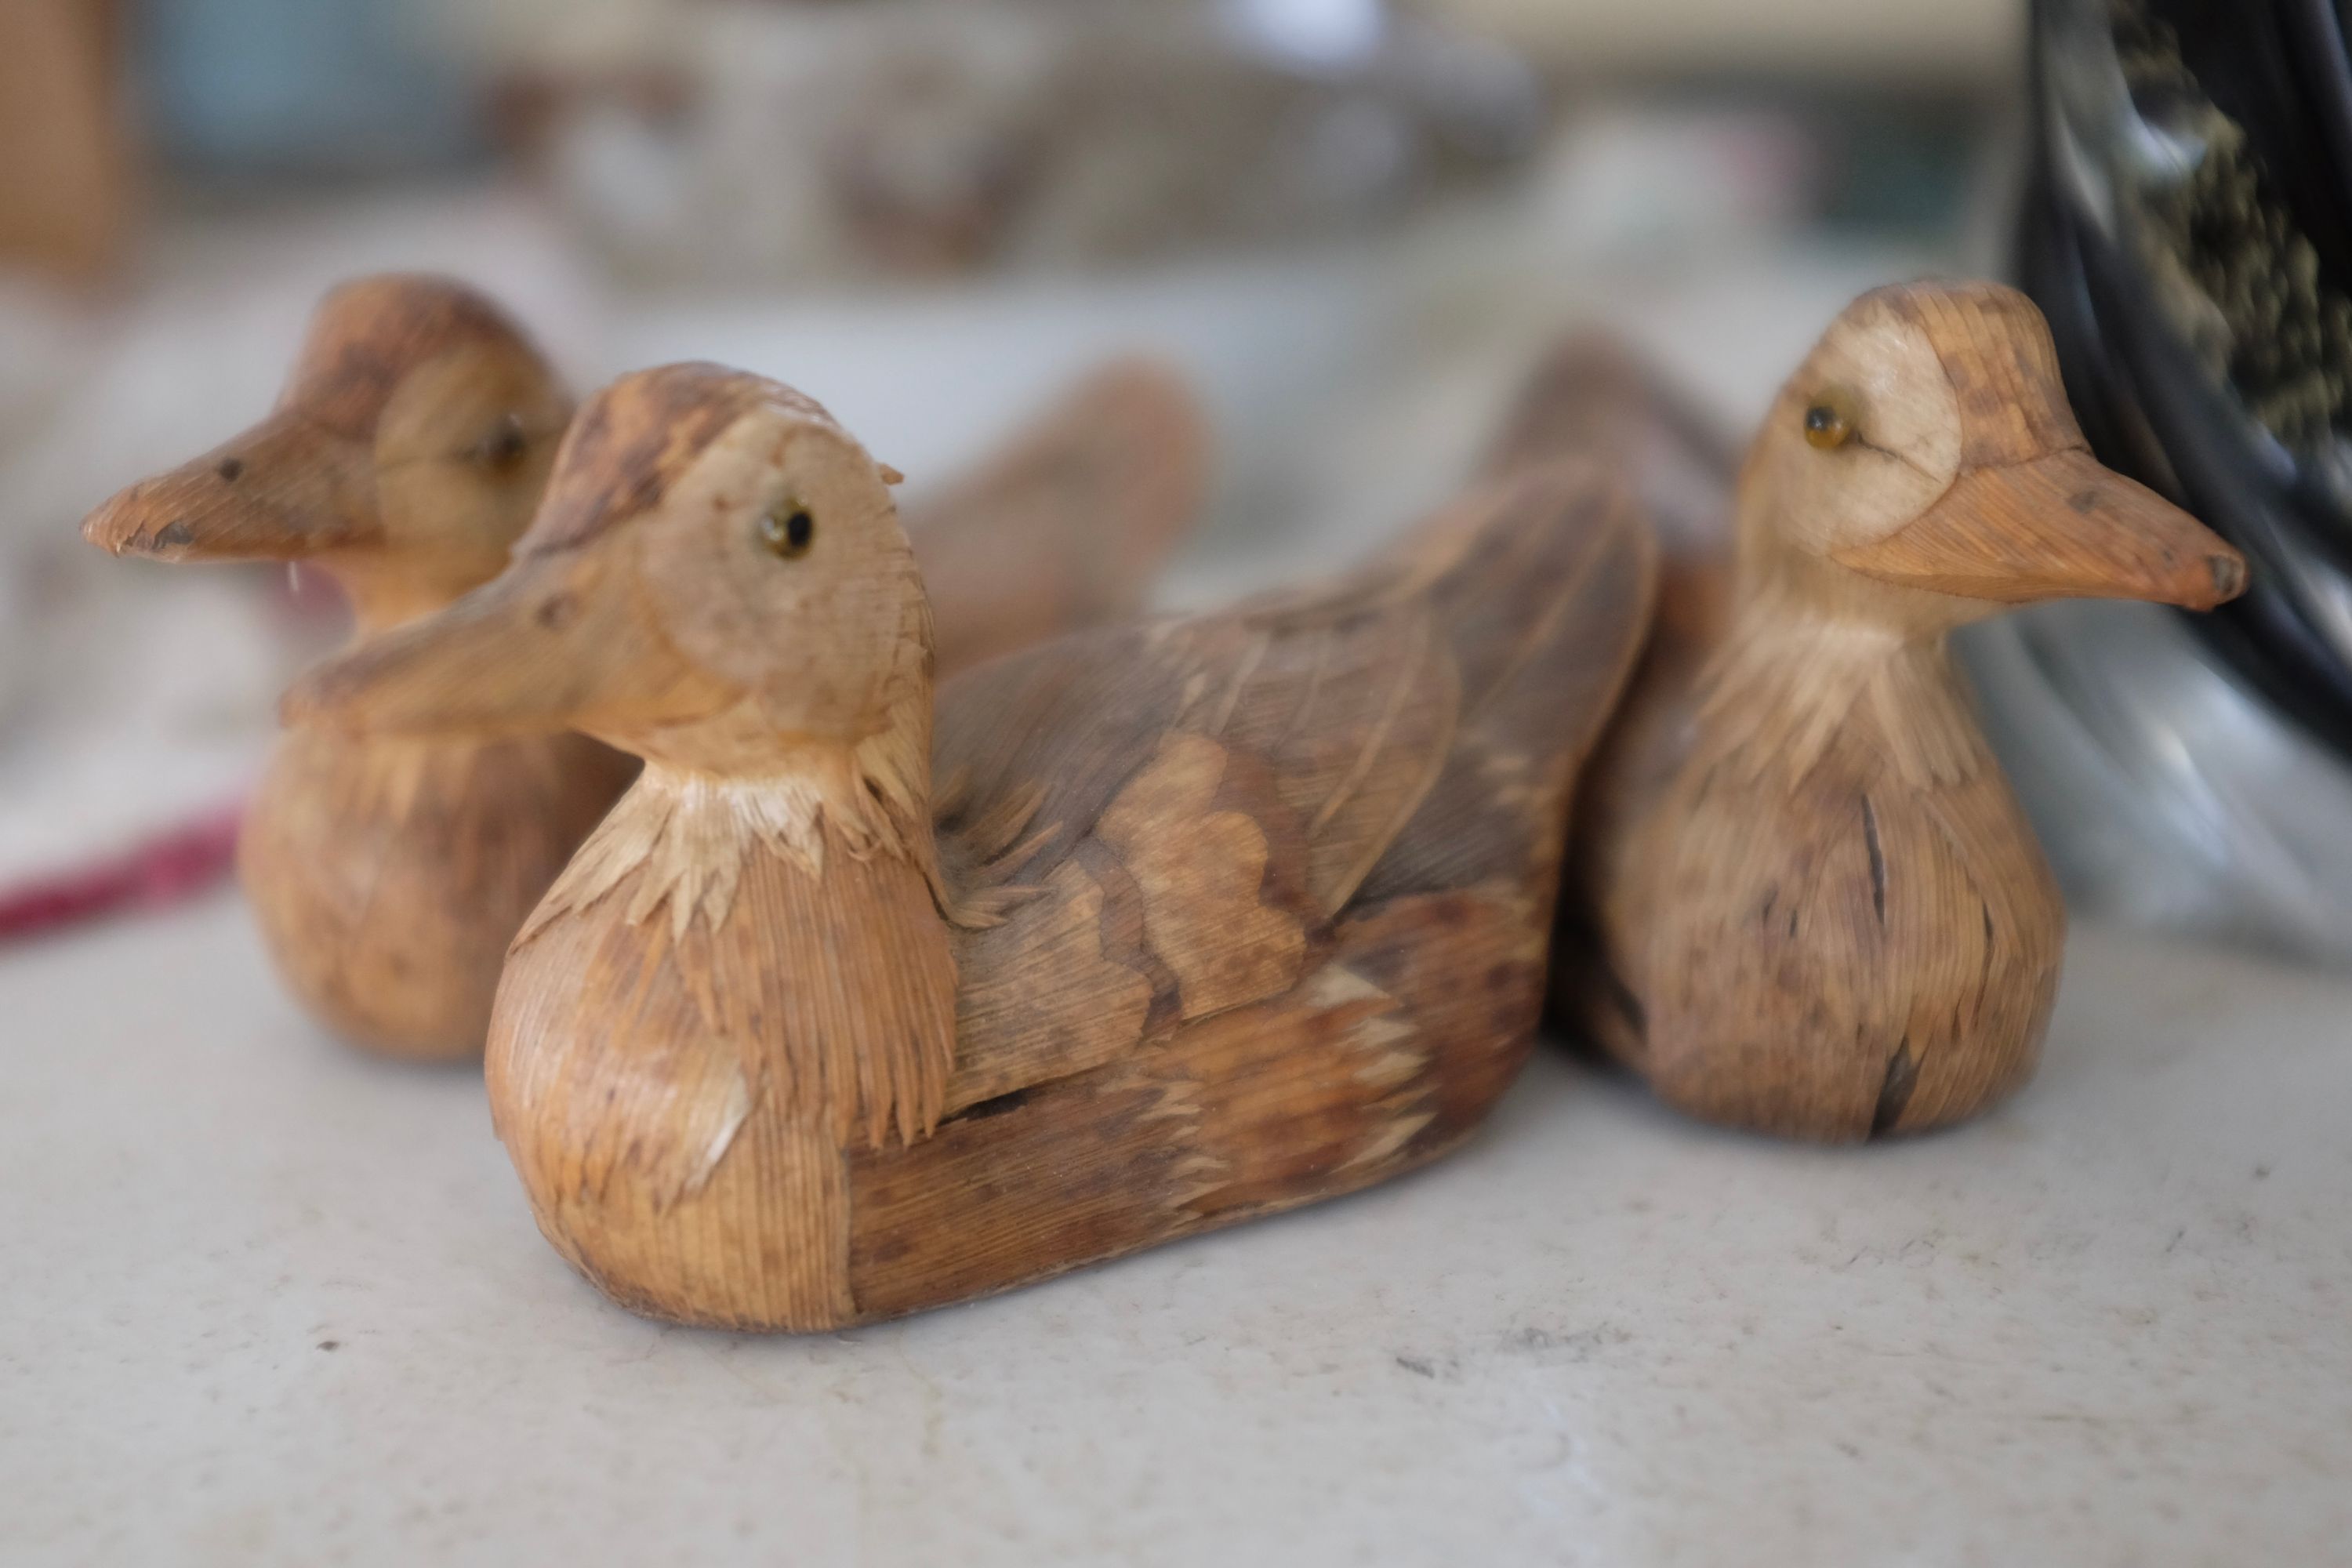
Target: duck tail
x,y
1539,586
1533,558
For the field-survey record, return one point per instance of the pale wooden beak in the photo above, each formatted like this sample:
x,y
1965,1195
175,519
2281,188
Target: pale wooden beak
x,y
2056,526
550,644
284,490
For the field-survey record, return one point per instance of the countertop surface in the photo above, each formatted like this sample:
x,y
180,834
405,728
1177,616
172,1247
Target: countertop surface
x,y
263,1300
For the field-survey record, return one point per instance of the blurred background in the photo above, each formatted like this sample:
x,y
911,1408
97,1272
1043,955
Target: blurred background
x,y
1355,225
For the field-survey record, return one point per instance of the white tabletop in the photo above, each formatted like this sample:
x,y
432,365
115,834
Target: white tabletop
x,y
263,1300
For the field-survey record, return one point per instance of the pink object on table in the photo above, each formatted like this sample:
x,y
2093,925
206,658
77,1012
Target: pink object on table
x,y
171,867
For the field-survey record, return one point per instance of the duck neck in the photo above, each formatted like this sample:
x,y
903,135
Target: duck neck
x,y
721,789
1815,650
869,793
386,594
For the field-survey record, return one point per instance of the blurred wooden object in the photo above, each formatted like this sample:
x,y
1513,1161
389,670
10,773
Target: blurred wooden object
x,y
1819,910
1207,918
410,450
64,185
1952,42
407,453
754,144
1069,523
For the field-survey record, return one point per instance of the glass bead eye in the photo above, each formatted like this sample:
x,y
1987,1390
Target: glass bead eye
x,y
786,529
1826,426
504,446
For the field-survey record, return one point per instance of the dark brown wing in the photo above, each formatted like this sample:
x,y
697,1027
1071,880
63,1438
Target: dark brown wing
x,y
1068,527
1204,802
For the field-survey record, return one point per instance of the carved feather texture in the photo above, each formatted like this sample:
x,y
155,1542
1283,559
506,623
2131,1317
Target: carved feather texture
x,y
1285,876
856,1038
682,838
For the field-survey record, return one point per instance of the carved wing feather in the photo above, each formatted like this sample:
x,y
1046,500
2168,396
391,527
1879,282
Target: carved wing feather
x,y
1292,869
1224,791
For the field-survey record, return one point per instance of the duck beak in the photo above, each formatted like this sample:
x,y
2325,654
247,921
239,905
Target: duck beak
x,y
285,490
2055,526
552,644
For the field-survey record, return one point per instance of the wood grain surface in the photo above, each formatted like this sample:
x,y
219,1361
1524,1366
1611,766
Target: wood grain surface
x,y
1239,911
1813,905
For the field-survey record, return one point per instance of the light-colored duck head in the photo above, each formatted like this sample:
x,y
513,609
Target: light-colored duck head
x,y
405,456
716,581
1922,469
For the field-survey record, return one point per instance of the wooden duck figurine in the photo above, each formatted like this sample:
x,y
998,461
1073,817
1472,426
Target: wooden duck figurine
x,y
409,452
1810,902
840,1015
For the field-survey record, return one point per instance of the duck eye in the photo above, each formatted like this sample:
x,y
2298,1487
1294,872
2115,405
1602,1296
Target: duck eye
x,y
786,529
504,446
1826,426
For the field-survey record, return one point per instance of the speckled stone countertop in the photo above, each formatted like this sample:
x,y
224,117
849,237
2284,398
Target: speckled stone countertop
x,y
264,1302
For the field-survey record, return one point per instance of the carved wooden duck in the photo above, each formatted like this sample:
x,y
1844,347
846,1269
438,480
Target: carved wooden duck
x,y
409,452
1204,918
1812,903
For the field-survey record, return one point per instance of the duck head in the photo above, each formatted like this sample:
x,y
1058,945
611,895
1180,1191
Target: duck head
x,y
1922,466
405,456
717,580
